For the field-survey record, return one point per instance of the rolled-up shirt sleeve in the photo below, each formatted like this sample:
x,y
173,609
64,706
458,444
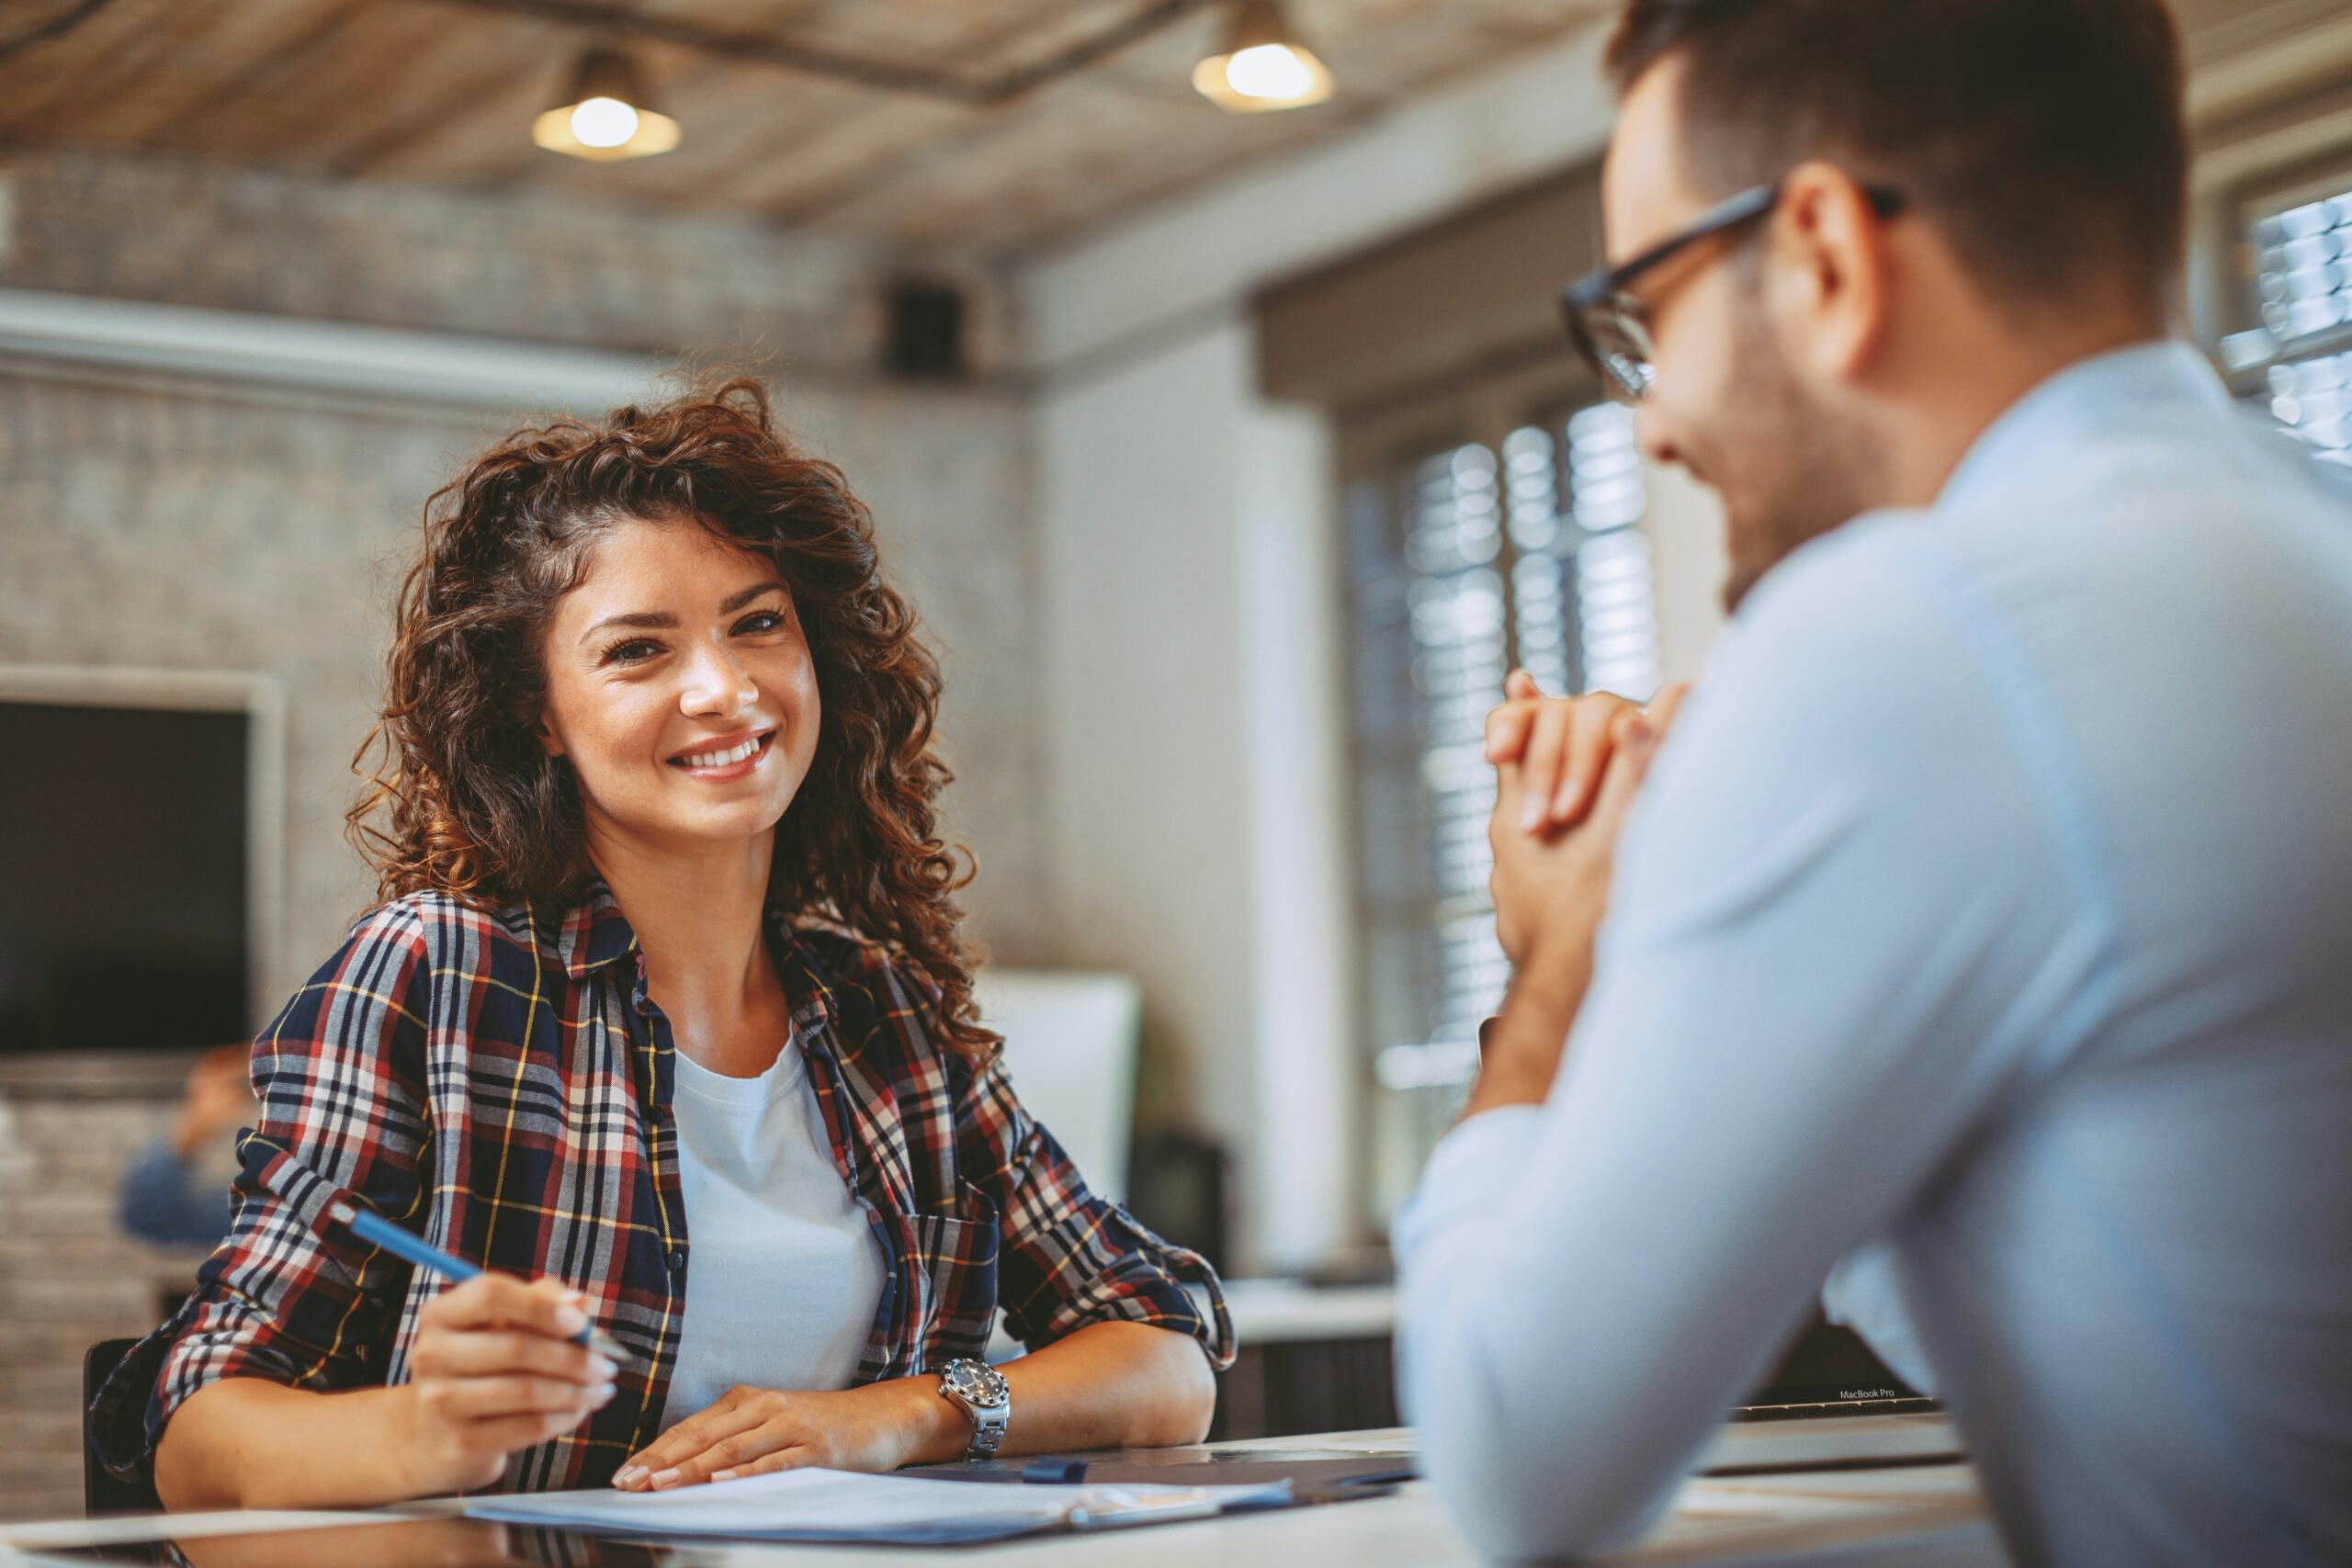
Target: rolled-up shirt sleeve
x,y
1068,1258
339,1076
1842,919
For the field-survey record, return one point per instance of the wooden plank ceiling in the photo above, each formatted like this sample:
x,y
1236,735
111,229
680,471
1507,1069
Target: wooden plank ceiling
x,y
441,92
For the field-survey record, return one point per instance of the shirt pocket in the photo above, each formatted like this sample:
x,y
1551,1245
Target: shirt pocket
x,y
952,1274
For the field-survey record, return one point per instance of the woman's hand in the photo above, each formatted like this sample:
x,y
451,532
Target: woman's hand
x,y
750,1431
1561,746
493,1370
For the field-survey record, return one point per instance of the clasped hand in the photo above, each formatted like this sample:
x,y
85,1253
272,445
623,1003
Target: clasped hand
x,y
1567,770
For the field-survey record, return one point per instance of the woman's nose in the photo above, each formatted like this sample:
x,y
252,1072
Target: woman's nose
x,y
717,684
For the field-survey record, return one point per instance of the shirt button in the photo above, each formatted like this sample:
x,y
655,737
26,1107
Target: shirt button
x,y
677,1260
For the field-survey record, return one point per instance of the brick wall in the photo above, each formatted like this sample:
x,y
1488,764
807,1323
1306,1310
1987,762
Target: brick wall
x,y
69,1277
177,524
494,262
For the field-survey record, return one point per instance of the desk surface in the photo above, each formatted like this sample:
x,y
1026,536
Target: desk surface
x,y
1914,1516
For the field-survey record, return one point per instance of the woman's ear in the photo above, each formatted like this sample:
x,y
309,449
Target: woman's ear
x,y
548,742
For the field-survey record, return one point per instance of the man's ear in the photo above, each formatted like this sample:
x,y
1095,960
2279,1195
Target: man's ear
x,y
1835,267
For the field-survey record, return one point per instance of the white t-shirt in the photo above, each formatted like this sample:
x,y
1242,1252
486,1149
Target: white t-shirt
x,y
786,1276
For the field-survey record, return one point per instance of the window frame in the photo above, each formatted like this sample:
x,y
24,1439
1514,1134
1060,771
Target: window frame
x,y
1377,445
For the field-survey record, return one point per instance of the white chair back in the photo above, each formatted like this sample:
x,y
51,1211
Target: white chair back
x,y
1070,1041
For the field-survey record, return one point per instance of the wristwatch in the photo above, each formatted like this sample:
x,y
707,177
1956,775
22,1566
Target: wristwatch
x,y
981,1393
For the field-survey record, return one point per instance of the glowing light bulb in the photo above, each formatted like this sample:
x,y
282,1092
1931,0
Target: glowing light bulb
x,y
1269,70
603,122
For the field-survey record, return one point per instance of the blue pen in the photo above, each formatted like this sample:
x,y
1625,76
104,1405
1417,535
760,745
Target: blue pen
x,y
369,1225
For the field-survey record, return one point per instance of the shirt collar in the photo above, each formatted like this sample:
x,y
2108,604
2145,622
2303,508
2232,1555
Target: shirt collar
x,y
593,932
804,979
2107,392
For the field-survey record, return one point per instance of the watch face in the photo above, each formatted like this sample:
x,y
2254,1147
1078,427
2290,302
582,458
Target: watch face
x,y
975,1380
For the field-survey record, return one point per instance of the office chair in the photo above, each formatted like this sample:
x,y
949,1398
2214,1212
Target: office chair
x,y
101,1492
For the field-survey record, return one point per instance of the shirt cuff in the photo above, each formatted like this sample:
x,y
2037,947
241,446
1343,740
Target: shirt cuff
x,y
1473,1164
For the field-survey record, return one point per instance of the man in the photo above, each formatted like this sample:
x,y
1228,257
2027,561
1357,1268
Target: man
x,y
174,1192
1985,921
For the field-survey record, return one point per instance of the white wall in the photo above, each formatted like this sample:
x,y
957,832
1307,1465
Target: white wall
x,y
1192,754
1195,752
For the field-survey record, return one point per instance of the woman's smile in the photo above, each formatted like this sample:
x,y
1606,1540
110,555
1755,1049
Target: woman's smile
x,y
729,757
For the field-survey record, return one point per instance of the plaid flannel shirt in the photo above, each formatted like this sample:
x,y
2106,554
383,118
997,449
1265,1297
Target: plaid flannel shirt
x,y
500,1083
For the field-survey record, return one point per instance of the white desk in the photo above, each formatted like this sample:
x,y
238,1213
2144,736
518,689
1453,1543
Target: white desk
x,y
1921,1517
1268,1312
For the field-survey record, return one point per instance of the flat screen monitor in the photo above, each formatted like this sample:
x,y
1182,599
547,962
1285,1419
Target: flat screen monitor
x,y
130,915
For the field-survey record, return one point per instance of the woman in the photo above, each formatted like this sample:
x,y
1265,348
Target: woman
x,y
668,951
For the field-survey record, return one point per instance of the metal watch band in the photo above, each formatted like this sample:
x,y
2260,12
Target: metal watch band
x,y
979,1391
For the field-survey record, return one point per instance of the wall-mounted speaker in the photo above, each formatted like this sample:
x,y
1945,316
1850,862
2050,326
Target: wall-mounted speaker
x,y
926,340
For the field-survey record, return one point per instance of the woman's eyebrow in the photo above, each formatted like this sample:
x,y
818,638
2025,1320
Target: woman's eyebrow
x,y
773,585
661,620
651,618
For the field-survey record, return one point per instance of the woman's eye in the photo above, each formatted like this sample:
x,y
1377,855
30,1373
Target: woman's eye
x,y
760,621
634,651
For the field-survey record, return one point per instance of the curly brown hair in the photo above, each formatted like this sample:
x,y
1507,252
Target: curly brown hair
x,y
475,809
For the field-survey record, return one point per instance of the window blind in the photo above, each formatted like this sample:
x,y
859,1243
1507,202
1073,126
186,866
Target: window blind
x,y
2304,282
1473,557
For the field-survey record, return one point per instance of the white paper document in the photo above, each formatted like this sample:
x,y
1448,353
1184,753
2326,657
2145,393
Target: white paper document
x,y
835,1504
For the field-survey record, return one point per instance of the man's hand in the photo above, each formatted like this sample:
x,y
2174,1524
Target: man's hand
x,y
1561,745
1557,881
1550,890
750,1431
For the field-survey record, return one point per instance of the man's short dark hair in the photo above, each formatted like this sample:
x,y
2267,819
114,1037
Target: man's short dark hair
x,y
2044,137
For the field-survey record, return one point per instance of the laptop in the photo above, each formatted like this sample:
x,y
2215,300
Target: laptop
x,y
1831,1403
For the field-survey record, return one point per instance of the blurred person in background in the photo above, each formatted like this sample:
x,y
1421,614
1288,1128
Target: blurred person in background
x,y
174,1192
1977,942
668,968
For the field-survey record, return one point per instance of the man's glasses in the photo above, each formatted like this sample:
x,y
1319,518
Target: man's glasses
x,y
1610,326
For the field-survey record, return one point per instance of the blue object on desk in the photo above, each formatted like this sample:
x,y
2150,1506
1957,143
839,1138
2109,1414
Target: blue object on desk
x,y
370,1226
1053,1471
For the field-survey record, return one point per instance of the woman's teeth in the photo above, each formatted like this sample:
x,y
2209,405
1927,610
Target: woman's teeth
x,y
721,758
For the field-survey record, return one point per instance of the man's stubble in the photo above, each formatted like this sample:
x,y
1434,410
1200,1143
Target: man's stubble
x,y
1788,469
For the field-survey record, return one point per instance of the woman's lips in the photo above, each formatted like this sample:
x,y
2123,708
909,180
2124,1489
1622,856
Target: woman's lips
x,y
741,768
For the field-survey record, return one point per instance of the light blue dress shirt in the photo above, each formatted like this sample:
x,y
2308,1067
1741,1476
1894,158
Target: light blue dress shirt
x,y
1985,922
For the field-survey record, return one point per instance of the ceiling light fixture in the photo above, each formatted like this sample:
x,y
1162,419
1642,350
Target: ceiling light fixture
x,y
1262,66
606,117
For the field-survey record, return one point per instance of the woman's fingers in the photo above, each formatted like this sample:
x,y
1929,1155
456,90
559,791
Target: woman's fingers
x,y
729,1454
483,1399
783,1459
504,1434
694,1436
502,1300
492,1351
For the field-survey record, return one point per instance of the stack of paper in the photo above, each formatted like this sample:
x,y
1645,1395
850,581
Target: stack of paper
x,y
841,1505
